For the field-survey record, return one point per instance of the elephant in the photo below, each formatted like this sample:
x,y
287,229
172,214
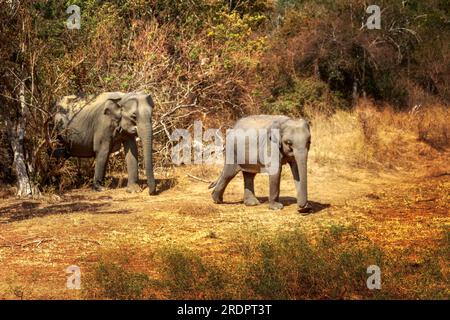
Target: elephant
x,y
293,142
97,125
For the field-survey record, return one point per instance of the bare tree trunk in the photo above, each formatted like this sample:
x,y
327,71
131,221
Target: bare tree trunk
x,y
16,134
355,95
17,131
316,68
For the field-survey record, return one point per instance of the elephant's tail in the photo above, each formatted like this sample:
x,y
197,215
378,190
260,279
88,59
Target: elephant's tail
x,y
213,184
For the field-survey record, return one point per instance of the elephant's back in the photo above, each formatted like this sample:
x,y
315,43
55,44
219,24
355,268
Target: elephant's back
x,y
79,105
258,121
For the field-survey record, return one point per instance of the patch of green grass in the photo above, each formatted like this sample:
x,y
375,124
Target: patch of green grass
x,y
289,265
337,231
113,281
186,275
292,267
425,277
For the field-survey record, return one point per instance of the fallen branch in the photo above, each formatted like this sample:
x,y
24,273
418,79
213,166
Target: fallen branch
x,y
38,241
199,179
24,244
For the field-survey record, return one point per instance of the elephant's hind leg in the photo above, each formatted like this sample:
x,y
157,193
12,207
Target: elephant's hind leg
x,y
101,160
228,173
249,189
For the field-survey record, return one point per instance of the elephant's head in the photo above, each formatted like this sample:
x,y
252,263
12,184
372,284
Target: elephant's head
x,y
295,140
136,119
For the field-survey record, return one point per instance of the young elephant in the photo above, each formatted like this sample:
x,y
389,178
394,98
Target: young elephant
x,y
293,145
97,125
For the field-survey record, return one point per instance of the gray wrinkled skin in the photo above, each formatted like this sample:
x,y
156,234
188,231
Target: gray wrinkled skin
x,y
294,143
96,125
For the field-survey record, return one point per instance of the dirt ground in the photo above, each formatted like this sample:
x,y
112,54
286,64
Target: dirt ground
x,y
39,239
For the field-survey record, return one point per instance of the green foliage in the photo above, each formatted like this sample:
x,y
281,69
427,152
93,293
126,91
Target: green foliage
x,y
306,92
236,35
325,38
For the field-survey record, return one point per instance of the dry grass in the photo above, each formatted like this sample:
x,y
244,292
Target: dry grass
x,y
370,137
198,209
433,127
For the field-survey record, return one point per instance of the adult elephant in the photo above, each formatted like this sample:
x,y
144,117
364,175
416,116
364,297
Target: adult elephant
x,y
96,125
286,140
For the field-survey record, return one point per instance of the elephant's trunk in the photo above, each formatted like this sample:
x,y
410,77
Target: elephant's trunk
x,y
301,158
144,128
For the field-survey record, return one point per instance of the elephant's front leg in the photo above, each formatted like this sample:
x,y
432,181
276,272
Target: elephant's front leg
x,y
274,190
101,160
249,189
294,169
131,156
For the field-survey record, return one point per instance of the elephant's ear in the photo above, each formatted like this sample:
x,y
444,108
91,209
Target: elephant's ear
x,y
275,131
112,107
308,123
145,106
149,100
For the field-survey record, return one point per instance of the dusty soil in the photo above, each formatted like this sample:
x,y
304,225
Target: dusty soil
x,y
39,239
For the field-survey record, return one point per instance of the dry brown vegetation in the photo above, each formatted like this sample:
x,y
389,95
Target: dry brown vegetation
x,y
379,183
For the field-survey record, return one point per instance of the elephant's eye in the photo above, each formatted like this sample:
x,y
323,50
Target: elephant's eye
x,y
288,142
133,117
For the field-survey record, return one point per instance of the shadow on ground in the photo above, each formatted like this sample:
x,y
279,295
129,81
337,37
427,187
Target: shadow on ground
x,y
161,184
28,210
287,201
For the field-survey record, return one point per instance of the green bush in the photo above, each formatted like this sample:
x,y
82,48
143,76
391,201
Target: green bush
x,y
186,275
289,265
113,281
306,92
292,267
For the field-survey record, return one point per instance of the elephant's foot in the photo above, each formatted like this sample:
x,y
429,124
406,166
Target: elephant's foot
x,y
275,206
98,188
152,188
304,211
251,201
133,188
216,197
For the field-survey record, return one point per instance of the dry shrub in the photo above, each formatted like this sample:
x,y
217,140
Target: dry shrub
x,y
338,139
379,136
197,209
7,191
66,175
433,126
